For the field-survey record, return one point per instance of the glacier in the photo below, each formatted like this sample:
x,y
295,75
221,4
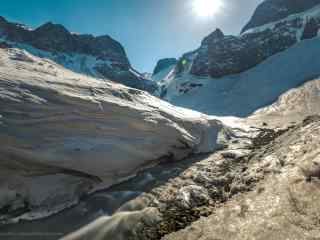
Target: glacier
x,y
64,135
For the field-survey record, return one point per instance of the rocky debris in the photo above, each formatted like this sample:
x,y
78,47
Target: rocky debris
x,y
284,204
273,10
239,175
163,64
110,59
310,119
266,136
192,196
234,154
195,192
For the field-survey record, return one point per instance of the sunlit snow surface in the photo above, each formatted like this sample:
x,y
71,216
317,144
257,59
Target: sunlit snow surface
x,y
64,134
242,94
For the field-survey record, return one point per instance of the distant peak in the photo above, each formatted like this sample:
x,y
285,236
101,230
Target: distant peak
x,y
214,36
50,26
164,63
218,33
2,19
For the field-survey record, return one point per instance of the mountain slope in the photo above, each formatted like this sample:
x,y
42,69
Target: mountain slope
x,y
64,134
242,94
292,106
236,75
101,56
220,55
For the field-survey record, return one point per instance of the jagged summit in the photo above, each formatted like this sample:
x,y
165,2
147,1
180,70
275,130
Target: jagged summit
x,y
55,37
214,36
163,64
100,56
50,26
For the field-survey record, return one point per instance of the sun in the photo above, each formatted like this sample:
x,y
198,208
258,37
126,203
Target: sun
x,y
206,8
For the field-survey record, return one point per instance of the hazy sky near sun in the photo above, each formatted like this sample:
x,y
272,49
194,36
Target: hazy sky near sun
x,y
148,29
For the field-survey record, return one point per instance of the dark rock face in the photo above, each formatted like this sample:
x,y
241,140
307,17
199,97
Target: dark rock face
x,y
220,55
237,54
273,10
311,29
112,60
202,63
163,64
56,38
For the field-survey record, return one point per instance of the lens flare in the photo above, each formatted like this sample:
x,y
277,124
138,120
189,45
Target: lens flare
x,y
206,8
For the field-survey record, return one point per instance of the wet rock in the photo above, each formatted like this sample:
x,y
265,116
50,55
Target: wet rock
x,y
192,196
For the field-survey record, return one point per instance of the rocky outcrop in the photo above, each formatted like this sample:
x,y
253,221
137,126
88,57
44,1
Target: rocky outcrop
x,y
221,55
100,56
163,64
274,10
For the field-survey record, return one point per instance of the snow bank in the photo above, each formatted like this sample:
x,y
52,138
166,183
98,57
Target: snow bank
x,y
64,134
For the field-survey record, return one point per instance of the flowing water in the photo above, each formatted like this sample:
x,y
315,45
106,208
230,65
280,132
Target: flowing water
x,y
101,203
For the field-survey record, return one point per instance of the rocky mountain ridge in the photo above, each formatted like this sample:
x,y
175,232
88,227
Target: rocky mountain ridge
x,y
101,56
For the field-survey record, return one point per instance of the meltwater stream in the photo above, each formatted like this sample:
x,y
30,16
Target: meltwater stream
x,y
102,203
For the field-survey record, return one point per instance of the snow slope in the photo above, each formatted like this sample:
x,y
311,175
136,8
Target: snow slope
x,y
244,93
292,106
303,17
63,134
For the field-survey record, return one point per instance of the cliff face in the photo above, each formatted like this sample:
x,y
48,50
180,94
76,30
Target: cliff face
x,y
274,10
100,56
220,55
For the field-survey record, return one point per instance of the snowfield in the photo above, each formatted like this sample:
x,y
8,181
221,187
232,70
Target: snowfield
x,y
244,93
63,134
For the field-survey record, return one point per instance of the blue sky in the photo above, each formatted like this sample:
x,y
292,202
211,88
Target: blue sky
x,y
148,29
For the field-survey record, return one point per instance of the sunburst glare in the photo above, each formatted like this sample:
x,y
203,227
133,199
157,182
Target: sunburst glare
x,y
207,8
